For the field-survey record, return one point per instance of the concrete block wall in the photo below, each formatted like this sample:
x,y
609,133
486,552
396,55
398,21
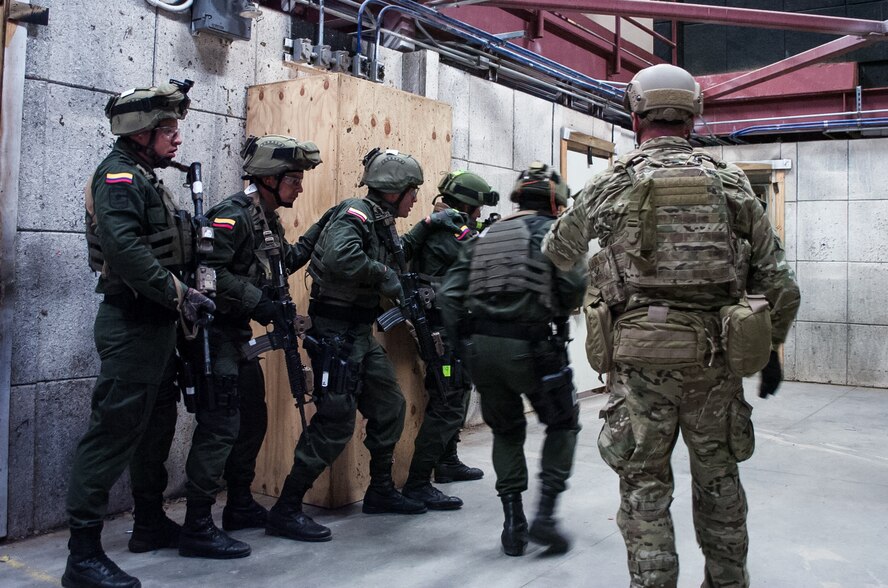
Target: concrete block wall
x,y
836,226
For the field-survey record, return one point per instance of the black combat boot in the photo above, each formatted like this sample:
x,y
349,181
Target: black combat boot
x,y
450,469
89,567
514,535
286,519
544,529
200,537
152,529
420,489
242,511
381,496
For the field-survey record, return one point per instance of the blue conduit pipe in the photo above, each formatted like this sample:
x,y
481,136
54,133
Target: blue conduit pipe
x,y
822,125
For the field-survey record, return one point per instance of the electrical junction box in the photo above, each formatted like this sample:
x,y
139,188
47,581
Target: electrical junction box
x,y
220,17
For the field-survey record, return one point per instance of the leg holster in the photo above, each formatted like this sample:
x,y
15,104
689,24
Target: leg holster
x,y
555,398
337,378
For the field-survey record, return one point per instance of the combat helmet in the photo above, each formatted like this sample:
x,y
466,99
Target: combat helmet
x,y
664,92
274,155
468,188
541,183
141,109
390,171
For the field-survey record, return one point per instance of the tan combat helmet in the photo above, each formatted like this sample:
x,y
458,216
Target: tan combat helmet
x,y
391,171
664,92
142,109
273,155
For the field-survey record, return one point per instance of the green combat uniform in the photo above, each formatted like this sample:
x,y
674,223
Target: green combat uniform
x,y
513,304
683,238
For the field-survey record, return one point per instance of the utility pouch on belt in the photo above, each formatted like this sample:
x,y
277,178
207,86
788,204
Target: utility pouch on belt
x,y
604,273
746,335
337,380
599,331
660,337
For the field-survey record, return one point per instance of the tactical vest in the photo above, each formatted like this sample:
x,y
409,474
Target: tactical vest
x,y
505,264
172,247
346,293
675,235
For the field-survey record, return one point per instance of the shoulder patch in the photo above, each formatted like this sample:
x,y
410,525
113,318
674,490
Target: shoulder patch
x,y
119,178
358,213
463,234
223,223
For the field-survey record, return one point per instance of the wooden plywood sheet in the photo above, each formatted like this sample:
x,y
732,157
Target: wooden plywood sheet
x,y
346,117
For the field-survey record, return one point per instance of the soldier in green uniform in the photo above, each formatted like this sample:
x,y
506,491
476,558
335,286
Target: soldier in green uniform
x,y
461,194
513,304
350,270
232,418
686,250
136,243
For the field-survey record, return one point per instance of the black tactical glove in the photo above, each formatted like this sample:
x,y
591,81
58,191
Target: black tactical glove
x,y
195,306
265,311
444,219
391,287
772,375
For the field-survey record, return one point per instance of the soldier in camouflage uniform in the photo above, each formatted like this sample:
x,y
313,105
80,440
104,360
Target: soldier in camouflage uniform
x,y
350,270
232,419
685,243
513,305
461,194
135,242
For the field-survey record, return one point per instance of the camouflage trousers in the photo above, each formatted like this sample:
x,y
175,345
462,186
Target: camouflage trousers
x,y
646,410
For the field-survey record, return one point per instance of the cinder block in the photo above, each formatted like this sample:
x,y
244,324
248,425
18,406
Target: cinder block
x,y
866,293
420,73
215,141
822,231
868,355
756,152
789,355
20,510
394,65
456,164
867,228
717,151
790,151
866,163
492,113
453,89
109,46
790,230
47,264
624,141
502,180
823,170
532,137
577,121
821,352
221,69
824,287
268,35
66,136
62,413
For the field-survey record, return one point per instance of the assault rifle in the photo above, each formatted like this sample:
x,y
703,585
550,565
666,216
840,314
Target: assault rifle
x,y
202,278
288,327
413,309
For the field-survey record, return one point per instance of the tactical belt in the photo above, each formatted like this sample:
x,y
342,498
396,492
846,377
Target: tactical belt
x,y
140,310
349,314
511,330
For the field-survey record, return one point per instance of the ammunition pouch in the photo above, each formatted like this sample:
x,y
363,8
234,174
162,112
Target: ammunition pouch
x,y
661,337
172,247
599,331
604,274
337,380
746,335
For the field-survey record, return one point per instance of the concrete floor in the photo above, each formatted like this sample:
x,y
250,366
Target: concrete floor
x,y
817,488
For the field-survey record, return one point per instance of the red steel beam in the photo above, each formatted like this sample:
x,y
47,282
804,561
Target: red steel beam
x,y
790,64
765,19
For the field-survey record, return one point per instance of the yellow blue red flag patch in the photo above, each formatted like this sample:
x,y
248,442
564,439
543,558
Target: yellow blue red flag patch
x,y
119,178
224,223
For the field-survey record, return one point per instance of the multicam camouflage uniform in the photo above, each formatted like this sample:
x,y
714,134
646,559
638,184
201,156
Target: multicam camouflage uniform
x,y
650,404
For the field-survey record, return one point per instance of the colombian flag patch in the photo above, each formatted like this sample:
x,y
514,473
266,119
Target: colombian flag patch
x,y
223,223
119,178
463,233
357,213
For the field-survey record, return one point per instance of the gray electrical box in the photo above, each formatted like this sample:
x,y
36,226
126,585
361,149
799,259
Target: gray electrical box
x,y
220,17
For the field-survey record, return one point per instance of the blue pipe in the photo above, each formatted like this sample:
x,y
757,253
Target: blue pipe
x,y
825,125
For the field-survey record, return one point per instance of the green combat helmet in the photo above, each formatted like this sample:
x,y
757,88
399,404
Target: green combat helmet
x,y
274,155
541,183
664,92
390,171
141,109
468,188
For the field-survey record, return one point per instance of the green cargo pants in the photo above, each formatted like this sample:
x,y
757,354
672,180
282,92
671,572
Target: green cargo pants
x,y
133,415
503,371
380,401
646,410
